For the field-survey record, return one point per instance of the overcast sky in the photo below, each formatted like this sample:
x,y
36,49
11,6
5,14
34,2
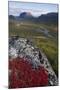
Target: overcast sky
x,y
36,9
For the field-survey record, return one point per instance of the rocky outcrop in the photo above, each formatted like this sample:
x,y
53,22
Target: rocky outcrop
x,y
23,48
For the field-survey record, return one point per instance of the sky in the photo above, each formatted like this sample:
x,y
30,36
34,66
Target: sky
x,y
36,9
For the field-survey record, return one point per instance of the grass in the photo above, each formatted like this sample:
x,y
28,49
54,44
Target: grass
x,y
49,45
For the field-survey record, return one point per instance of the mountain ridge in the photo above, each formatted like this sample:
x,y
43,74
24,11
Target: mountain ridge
x,y
44,18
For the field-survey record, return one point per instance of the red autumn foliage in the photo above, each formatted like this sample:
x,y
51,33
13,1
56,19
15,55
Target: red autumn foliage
x,y
22,74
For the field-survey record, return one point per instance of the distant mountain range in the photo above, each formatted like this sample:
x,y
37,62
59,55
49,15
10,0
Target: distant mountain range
x,y
48,18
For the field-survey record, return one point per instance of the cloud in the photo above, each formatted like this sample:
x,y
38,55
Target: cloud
x,y
17,11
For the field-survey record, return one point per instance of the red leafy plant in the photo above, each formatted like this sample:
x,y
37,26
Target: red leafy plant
x,y
23,75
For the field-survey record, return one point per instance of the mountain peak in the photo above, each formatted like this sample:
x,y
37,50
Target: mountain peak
x,y
25,14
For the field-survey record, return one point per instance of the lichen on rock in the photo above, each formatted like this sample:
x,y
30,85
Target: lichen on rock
x,y
23,52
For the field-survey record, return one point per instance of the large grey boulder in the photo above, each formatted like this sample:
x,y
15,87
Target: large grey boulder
x,y
23,48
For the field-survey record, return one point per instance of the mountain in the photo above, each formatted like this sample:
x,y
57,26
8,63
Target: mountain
x,y
49,18
25,15
11,17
